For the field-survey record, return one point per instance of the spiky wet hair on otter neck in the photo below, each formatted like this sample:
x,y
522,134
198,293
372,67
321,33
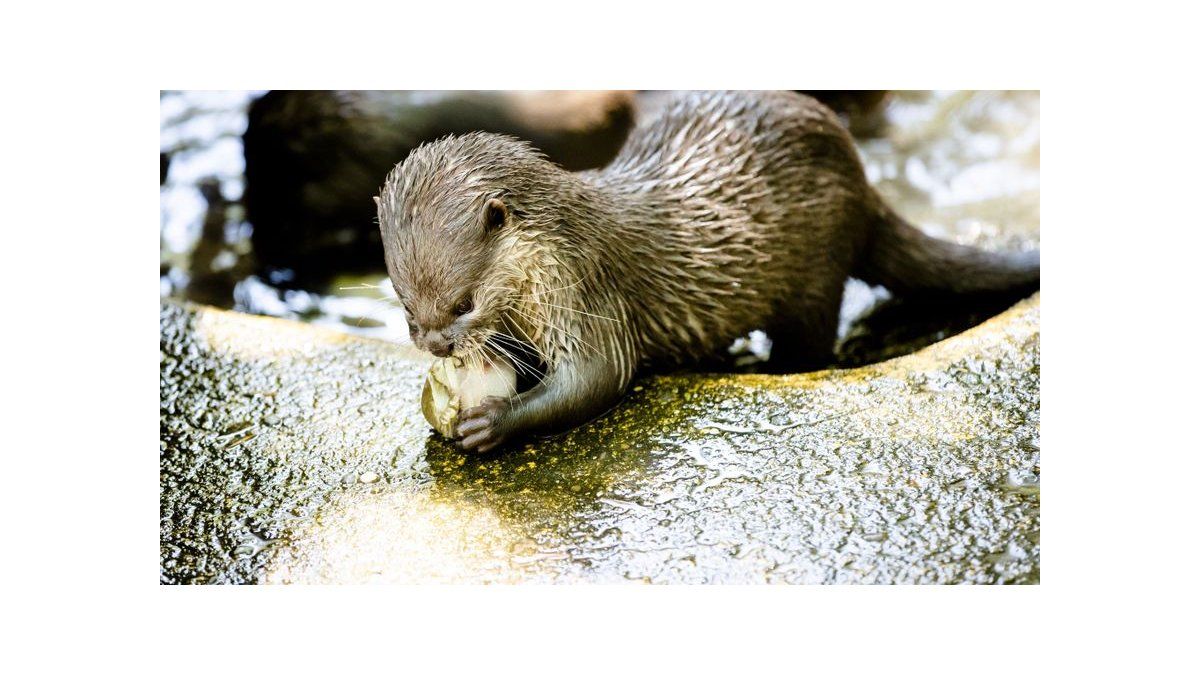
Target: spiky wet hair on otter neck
x,y
449,215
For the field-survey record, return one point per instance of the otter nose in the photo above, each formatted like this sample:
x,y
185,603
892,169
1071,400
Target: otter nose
x,y
438,344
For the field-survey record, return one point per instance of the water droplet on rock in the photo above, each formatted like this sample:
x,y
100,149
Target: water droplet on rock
x,y
1023,479
871,467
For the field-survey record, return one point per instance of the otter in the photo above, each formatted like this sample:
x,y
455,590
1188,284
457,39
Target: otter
x,y
730,212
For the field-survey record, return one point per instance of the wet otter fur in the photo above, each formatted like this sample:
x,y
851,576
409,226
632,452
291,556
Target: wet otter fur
x,y
728,213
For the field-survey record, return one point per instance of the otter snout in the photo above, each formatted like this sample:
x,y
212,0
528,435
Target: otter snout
x,y
436,343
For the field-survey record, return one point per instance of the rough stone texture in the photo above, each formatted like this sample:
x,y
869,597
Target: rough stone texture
x,y
292,454
261,420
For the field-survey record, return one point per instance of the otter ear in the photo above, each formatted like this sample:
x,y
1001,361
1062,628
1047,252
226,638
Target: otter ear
x,y
376,202
495,214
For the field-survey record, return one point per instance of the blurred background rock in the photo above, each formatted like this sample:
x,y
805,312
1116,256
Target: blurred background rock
x,y
314,159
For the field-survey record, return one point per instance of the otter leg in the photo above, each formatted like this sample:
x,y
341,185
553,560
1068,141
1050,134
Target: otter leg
x,y
804,332
570,395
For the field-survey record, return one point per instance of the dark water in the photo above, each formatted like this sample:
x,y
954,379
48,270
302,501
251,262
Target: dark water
x,y
962,165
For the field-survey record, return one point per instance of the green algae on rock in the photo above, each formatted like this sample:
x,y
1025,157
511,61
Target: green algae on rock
x,y
922,469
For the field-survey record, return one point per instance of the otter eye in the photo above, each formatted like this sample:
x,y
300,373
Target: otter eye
x,y
465,305
494,214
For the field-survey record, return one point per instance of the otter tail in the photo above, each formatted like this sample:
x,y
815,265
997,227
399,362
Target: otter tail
x,y
908,262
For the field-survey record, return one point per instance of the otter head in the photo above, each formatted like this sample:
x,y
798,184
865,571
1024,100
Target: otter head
x,y
451,215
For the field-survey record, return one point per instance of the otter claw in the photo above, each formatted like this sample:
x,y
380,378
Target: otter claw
x,y
471,426
479,428
479,443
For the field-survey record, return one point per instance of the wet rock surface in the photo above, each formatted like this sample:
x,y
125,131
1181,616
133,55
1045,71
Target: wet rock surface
x,y
291,453
294,454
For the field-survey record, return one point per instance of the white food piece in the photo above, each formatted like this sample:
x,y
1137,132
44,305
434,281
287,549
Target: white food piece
x,y
453,386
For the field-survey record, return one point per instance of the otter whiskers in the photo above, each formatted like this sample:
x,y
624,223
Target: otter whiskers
x,y
569,334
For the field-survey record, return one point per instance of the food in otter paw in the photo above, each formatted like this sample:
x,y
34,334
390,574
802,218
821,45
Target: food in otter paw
x,y
453,386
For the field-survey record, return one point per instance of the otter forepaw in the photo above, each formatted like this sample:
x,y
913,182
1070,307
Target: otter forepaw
x,y
479,428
